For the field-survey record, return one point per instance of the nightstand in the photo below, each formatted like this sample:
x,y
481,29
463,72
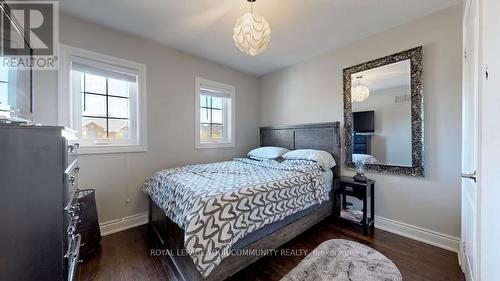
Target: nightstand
x,y
346,186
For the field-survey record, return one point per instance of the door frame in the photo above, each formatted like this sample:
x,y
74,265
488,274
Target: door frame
x,y
479,63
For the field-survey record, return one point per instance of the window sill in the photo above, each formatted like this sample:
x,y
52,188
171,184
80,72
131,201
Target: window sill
x,y
214,145
109,149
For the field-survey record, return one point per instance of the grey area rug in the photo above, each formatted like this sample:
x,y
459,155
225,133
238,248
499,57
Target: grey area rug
x,y
339,260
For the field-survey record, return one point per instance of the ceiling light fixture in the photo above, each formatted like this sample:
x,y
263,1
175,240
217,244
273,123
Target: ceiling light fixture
x,y
251,33
360,93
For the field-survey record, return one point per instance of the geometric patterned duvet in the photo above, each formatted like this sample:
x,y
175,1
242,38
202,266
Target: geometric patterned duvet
x,y
217,204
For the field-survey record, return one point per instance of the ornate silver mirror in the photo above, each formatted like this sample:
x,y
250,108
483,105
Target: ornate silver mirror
x,y
383,114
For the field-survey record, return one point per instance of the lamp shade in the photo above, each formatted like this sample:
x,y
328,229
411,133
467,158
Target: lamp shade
x,y
360,93
251,34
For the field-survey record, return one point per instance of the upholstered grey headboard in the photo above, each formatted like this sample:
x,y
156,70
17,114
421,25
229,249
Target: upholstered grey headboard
x,y
322,136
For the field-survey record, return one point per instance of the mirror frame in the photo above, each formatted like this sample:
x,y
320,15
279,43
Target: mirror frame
x,y
417,113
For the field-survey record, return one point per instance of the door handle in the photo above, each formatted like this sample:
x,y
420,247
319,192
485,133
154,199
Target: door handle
x,y
470,176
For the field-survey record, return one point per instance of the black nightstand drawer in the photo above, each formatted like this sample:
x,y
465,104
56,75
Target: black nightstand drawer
x,y
352,190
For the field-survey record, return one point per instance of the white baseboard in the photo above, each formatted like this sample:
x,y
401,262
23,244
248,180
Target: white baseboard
x,y
430,237
122,224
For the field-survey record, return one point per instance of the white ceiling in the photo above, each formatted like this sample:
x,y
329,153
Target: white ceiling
x,y
385,77
300,28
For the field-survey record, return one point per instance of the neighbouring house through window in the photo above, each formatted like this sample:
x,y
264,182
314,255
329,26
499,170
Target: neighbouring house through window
x,y
107,102
107,112
214,114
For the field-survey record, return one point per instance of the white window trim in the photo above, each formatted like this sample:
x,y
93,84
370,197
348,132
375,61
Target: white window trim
x,y
231,91
65,108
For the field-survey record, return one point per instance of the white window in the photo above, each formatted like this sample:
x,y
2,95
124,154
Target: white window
x,y
106,99
4,93
215,114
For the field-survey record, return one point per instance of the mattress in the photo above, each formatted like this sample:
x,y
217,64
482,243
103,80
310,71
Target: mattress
x,y
218,204
269,229
328,177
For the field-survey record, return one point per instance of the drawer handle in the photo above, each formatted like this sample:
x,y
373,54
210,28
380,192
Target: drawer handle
x,y
73,257
73,209
73,147
73,253
73,201
75,220
349,188
71,231
72,180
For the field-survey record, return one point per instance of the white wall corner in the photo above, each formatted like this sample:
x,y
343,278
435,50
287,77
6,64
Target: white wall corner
x,y
426,236
122,224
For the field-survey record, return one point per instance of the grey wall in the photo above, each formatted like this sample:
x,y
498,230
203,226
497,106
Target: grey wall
x,y
391,141
312,92
307,92
118,178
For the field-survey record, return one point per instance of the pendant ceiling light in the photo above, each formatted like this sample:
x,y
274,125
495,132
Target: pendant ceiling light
x,y
251,33
360,93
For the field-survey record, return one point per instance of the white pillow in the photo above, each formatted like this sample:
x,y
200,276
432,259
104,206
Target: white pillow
x,y
365,158
267,152
323,158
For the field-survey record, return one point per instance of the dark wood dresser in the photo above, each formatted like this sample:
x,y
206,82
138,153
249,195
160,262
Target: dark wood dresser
x,y
361,144
39,237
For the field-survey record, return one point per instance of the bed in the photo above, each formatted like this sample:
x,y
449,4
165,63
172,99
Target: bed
x,y
203,250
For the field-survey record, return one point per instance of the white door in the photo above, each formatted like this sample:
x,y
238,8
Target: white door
x,y
489,226
470,131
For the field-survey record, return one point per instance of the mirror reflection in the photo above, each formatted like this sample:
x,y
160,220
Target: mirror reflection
x,y
381,106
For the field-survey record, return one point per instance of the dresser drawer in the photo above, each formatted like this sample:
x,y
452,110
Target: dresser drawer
x,y
72,151
360,139
71,174
360,147
72,207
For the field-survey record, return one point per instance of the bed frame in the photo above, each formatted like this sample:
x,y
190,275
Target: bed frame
x,y
323,136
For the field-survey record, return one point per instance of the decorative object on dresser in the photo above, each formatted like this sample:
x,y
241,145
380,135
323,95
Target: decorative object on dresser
x,y
360,172
387,127
38,203
347,186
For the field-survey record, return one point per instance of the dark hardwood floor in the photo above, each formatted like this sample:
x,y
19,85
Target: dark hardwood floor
x,y
125,256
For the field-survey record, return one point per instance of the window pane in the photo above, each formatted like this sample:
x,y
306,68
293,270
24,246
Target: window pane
x,y
79,75
4,95
216,132
119,129
205,132
204,101
94,105
95,84
117,87
118,107
217,102
217,116
94,128
204,115
4,74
